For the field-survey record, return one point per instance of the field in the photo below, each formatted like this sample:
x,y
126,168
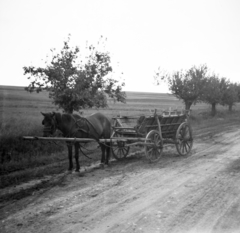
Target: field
x,y
17,103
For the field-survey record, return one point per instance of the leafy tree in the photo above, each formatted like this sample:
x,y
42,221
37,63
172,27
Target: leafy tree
x,y
238,91
185,85
213,91
74,84
230,95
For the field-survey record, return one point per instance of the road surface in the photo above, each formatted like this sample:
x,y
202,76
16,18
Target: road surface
x,y
198,193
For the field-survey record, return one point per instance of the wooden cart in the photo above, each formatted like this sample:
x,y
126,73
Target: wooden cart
x,y
152,132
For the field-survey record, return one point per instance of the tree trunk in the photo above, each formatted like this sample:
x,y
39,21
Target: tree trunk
x,y
230,107
188,104
213,109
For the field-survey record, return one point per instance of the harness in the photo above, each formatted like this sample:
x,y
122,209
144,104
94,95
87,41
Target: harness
x,y
76,123
88,123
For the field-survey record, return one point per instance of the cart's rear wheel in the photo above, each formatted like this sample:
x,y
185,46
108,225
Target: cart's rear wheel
x,y
184,139
153,152
119,150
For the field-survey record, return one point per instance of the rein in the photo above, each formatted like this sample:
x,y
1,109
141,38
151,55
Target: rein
x,y
80,147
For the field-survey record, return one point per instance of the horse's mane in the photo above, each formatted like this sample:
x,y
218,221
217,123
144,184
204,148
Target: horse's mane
x,y
77,116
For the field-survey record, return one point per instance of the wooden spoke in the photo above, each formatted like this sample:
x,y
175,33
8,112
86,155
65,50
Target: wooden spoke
x,y
119,150
153,152
184,140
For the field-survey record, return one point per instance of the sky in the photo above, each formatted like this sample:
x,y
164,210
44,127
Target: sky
x,y
142,35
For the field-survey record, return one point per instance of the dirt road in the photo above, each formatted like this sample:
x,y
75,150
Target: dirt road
x,y
198,193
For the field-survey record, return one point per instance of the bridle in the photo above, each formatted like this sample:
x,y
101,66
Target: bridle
x,y
52,128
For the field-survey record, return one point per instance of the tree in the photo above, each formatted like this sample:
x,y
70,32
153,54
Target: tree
x,y
74,84
185,85
213,92
238,91
230,95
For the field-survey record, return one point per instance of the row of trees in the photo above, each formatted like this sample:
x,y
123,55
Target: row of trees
x,y
75,82
197,84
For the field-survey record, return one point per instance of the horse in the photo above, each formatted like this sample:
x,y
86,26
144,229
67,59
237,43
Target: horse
x,y
95,126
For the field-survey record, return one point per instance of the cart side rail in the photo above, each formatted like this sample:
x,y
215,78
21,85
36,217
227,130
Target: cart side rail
x,y
169,124
140,125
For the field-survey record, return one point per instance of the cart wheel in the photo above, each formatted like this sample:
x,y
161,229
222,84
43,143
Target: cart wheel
x,y
153,152
119,150
184,139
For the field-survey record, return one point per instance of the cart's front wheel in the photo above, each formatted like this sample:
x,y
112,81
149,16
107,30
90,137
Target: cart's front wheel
x,y
119,150
154,146
184,139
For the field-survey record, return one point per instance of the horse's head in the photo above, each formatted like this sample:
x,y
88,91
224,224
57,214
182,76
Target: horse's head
x,y
50,124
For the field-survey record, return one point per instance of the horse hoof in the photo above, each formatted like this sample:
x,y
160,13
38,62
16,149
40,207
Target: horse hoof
x,y
101,165
69,171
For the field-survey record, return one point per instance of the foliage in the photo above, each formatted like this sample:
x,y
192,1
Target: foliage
x,y
214,91
18,154
230,95
74,84
185,85
238,91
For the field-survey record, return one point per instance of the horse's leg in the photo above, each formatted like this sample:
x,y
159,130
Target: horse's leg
x,y
69,145
77,156
108,152
103,153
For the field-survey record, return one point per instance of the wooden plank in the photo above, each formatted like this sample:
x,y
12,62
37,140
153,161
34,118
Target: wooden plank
x,y
132,128
136,141
114,139
119,122
131,118
126,139
59,139
149,126
139,144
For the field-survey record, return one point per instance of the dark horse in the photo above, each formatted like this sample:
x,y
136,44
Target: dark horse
x,y
95,126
